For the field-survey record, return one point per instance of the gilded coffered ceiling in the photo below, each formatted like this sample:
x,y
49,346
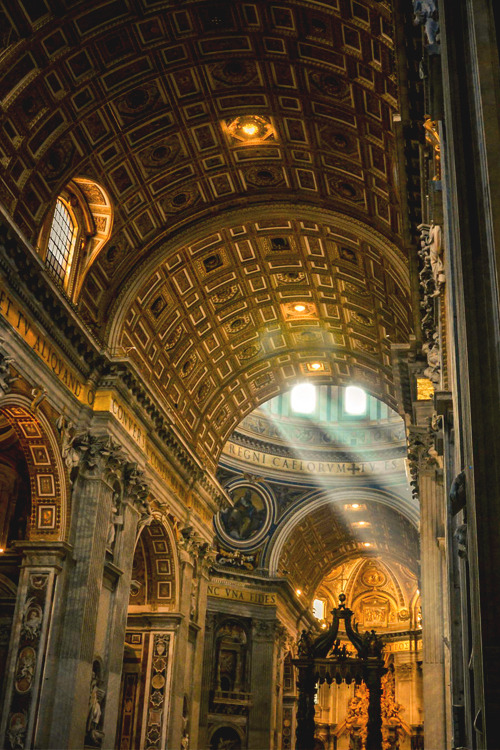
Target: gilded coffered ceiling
x,y
249,151
335,533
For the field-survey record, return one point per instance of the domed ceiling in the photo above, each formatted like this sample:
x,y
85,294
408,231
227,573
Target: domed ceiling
x,y
323,447
250,152
384,595
312,491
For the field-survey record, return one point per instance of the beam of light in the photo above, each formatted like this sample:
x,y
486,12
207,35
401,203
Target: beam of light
x,y
288,433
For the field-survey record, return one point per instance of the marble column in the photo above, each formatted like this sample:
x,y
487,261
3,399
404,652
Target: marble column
x,y
206,680
260,721
76,687
25,704
432,507
198,618
471,177
133,507
182,674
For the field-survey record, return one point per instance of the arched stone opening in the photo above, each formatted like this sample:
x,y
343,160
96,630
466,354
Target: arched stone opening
x,y
44,470
150,638
250,322
89,211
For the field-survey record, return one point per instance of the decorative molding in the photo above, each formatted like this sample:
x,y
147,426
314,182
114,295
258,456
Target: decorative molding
x,y
157,692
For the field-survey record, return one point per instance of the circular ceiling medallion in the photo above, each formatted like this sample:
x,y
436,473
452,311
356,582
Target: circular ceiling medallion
x,y
373,577
247,522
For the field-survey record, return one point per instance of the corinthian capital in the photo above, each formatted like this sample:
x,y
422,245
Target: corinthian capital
x,y
98,454
136,488
422,454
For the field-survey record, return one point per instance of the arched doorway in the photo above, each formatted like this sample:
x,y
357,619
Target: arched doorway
x,y
149,640
33,487
225,738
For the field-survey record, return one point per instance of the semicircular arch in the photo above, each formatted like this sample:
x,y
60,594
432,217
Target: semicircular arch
x,y
167,247
47,473
318,499
155,570
212,319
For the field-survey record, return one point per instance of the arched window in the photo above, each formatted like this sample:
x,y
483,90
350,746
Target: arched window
x,y
355,401
75,231
319,609
61,244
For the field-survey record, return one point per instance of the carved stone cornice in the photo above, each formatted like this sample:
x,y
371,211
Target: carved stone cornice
x,y
31,282
212,487
59,317
284,451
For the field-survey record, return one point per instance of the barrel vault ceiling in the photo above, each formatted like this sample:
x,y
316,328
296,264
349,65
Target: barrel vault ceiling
x,y
218,234
328,536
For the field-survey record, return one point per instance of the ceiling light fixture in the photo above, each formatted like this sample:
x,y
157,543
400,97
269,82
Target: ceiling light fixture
x,y
299,308
298,591
249,128
367,544
315,365
355,506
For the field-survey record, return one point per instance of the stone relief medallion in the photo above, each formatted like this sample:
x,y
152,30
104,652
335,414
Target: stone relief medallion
x,y
25,669
16,731
247,522
373,577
